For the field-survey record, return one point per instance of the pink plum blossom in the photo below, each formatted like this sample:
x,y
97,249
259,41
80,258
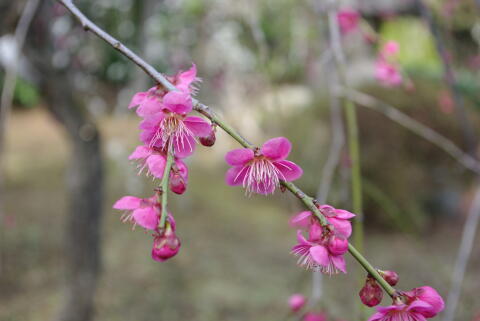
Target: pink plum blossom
x,y
261,171
340,219
310,316
296,302
418,304
387,73
166,244
148,102
348,20
140,211
172,127
154,159
323,251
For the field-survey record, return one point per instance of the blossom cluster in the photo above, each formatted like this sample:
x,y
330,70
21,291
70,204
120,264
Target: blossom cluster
x,y
166,130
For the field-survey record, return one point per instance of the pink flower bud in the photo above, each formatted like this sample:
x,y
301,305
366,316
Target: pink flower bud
x,y
165,245
208,140
371,294
177,184
296,302
337,245
390,276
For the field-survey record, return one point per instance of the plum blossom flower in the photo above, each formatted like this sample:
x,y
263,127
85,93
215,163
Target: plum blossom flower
x,y
323,251
140,211
261,171
390,49
387,73
154,159
166,244
340,219
296,302
417,304
348,20
172,127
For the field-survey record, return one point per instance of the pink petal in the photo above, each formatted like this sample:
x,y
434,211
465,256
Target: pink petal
x,y
339,262
301,239
301,219
178,102
343,214
137,99
235,175
342,227
199,126
150,106
127,203
184,146
146,217
239,156
277,148
379,316
156,165
140,152
320,255
185,79
290,171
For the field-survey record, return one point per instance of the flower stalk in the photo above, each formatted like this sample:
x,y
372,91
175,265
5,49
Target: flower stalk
x,y
164,187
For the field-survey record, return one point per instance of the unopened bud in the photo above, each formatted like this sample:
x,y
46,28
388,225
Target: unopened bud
x,y
296,302
390,276
177,184
337,245
371,294
208,140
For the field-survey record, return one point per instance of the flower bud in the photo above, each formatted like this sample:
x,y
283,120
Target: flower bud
x,y
429,295
209,140
337,245
177,184
296,302
390,276
166,244
310,316
371,294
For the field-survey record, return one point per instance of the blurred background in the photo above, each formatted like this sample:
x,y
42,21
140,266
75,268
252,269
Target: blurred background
x,y
266,67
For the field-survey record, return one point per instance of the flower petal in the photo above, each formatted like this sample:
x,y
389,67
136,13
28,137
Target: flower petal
x,y
301,219
339,262
239,156
150,106
140,152
343,214
301,239
342,227
290,171
199,126
137,99
277,148
156,165
127,203
235,175
320,254
178,102
182,169
185,79
146,217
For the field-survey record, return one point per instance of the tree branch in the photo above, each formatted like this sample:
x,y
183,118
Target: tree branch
x,y
308,201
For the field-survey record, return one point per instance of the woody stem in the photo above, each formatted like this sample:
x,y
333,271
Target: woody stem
x,y
88,25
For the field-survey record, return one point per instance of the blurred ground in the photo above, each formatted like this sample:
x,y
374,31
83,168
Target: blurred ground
x,y
234,263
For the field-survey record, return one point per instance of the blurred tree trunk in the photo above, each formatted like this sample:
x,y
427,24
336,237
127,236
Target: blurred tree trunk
x,y
85,173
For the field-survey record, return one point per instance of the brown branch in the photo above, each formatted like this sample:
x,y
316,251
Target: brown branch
x,y
416,127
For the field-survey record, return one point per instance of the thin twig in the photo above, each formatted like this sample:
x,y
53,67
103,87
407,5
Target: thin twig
x,y
464,251
416,127
308,201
